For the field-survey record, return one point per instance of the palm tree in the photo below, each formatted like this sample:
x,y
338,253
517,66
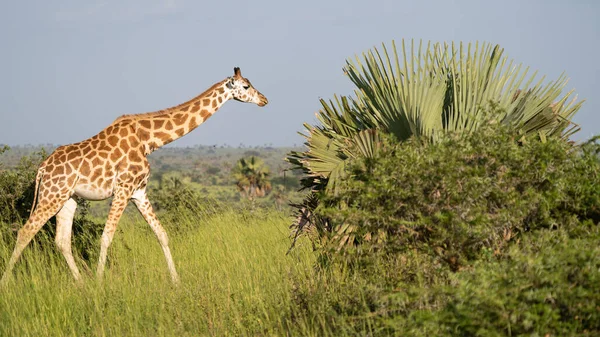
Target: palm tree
x,y
252,177
422,92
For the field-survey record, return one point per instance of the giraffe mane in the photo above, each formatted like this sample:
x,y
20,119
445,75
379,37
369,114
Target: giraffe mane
x,y
144,115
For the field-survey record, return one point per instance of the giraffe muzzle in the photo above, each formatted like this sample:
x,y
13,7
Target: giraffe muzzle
x,y
262,100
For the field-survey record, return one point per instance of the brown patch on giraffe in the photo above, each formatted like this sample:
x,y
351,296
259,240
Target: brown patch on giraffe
x,y
76,162
193,123
146,123
124,145
62,157
180,132
221,90
139,181
134,156
68,169
54,189
112,141
206,101
163,136
109,130
195,108
220,99
184,108
108,170
95,142
49,167
123,132
97,173
103,146
214,104
90,154
119,126
204,114
59,170
73,154
136,168
179,119
103,154
169,125
85,168
158,123
123,174
96,161
134,143
104,183
71,180
86,149
116,155
143,134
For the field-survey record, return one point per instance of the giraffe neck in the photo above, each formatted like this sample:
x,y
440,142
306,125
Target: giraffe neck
x,y
156,129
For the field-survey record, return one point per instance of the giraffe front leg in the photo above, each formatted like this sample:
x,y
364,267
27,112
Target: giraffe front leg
x,y
64,226
119,202
140,199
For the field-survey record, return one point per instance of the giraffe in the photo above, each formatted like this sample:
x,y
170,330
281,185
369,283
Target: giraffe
x,y
114,163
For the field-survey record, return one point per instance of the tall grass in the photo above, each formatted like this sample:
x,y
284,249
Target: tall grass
x,y
236,280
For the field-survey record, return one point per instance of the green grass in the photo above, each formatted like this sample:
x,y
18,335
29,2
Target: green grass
x,y
235,280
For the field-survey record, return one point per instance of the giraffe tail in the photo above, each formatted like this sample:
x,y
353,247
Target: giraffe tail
x,y
38,178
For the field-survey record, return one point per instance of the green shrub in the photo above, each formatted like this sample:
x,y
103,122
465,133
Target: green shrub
x,y
549,284
462,197
475,235
16,188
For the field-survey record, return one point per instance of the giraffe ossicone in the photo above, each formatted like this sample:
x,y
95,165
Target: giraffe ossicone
x,y
113,163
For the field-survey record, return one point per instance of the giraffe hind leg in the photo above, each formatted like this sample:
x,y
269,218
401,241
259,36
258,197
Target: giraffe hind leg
x,y
64,226
42,213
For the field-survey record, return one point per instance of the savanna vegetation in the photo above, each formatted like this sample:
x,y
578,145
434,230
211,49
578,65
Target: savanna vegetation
x,y
444,198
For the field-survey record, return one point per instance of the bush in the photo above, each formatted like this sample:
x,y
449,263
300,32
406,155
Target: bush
x,y
462,197
474,235
549,284
16,188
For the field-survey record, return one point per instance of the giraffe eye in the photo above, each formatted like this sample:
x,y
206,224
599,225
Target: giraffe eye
x,y
246,87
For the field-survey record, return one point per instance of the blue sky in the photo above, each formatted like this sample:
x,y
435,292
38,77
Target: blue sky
x,y
69,68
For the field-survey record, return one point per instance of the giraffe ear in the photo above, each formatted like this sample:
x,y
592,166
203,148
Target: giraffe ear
x,y
237,72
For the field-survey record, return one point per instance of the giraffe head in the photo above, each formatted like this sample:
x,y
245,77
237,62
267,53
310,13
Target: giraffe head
x,y
243,91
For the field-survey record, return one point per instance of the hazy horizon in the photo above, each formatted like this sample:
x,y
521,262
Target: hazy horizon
x,y
70,68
